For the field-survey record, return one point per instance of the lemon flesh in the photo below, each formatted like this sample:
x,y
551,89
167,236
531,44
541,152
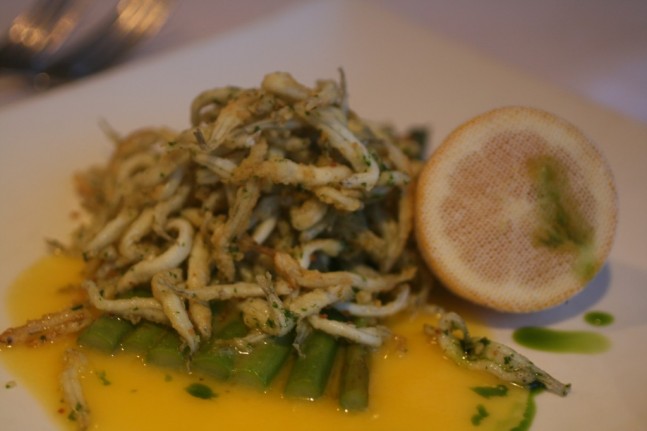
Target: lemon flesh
x,y
516,210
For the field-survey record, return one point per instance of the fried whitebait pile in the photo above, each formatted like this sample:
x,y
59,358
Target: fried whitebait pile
x,y
279,200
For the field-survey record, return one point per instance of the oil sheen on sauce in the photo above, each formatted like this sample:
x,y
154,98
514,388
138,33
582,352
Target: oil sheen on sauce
x,y
416,390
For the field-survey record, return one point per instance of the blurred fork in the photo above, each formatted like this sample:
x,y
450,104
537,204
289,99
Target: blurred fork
x,y
36,34
130,22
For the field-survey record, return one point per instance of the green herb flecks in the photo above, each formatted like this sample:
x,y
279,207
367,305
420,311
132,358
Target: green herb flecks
x,y
491,391
103,377
200,390
563,227
481,413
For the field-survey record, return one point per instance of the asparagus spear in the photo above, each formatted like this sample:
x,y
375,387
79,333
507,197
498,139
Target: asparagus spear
x,y
353,394
232,327
105,333
143,338
258,368
216,359
311,370
167,352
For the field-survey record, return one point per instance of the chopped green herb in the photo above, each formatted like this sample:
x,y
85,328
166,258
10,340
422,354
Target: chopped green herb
x,y
200,390
102,376
74,412
391,180
481,413
491,391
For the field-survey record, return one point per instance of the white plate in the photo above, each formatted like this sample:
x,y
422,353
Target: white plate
x,y
396,72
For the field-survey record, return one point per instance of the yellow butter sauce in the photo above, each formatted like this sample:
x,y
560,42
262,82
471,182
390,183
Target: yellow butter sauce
x,y
417,390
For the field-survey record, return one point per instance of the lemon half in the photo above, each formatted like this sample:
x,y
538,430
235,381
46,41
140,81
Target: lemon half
x,y
516,210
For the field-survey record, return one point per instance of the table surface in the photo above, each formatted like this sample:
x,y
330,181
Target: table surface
x,y
594,48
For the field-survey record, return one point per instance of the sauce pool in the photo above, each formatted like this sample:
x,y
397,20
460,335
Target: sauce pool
x,y
416,390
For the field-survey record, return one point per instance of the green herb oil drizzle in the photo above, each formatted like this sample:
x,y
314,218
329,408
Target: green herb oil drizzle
x,y
559,341
529,412
598,318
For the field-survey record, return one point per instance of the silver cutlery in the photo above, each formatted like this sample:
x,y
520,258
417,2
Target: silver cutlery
x,y
39,43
